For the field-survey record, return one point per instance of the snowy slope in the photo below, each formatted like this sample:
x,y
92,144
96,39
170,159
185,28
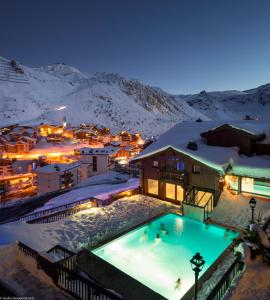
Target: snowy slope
x,y
232,104
104,99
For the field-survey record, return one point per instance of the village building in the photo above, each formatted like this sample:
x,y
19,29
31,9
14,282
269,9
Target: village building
x,y
56,177
30,141
5,167
93,161
193,162
10,147
22,147
22,166
46,129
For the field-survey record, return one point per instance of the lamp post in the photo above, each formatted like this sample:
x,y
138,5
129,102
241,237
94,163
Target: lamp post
x,y
252,204
197,263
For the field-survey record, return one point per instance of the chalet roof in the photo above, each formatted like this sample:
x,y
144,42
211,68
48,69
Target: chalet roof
x,y
57,168
245,129
219,158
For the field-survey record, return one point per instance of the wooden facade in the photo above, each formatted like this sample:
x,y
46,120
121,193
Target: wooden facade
x,y
228,136
180,170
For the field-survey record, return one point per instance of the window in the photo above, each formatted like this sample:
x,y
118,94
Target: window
x,y
94,164
196,169
153,186
155,163
179,193
170,191
180,166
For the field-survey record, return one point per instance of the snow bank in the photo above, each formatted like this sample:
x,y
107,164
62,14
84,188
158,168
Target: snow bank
x,y
234,210
106,178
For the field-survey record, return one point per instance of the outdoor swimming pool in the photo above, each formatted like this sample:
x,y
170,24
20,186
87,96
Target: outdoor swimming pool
x,y
159,262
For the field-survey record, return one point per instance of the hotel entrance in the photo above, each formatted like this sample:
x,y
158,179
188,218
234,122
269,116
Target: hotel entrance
x,y
174,193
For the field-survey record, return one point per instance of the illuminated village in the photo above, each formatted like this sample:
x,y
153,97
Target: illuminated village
x,y
72,153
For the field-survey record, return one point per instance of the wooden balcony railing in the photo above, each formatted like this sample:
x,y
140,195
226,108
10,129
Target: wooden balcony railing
x,y
172,175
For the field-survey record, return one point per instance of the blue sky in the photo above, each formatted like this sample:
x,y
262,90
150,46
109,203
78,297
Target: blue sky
x,y
180,46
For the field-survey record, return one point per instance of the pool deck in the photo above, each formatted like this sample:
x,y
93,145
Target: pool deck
x,y
114,279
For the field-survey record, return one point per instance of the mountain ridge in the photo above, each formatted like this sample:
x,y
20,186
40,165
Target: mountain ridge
x,y
103,99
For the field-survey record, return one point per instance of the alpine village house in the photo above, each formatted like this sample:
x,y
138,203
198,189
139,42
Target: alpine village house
x,y
192,163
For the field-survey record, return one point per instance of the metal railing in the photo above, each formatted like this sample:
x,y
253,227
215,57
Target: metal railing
x,y
172,175
58,209
191,199
63,213
64,276
224,283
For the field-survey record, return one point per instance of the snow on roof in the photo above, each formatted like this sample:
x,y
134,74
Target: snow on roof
x,y
246,127
57,168
97,151
257,166
218,158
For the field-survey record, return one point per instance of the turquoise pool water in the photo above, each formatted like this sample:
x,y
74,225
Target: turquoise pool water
x,y
159,262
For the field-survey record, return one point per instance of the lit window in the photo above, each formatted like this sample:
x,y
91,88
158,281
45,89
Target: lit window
x,y
170,191
180,193
180,166
153,186
196,169
155,163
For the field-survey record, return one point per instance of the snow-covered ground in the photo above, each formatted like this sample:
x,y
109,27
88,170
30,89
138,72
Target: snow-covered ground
x,y
87,227
105,178
252,284
234,210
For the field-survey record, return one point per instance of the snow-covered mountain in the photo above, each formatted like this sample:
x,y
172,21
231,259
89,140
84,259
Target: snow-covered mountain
x,y
232,104
47,94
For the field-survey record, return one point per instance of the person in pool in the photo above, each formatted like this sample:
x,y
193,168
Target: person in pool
x,y
226,233
163,229
178,284
144,236
158,238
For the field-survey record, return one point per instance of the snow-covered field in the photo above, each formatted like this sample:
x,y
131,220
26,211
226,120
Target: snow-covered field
x,y
87,227
234,210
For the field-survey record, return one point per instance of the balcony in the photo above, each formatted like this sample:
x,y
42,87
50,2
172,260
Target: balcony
x,y
172,175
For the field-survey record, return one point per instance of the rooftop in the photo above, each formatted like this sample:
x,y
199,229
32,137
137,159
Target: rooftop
x,y
218,158
57,168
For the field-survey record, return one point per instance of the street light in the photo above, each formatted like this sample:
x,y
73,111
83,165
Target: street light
x,y
252,204
197,263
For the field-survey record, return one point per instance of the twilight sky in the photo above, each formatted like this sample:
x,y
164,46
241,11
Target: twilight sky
x,y
181,46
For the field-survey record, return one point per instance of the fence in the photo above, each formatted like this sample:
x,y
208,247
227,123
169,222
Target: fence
x,y
224,283
126,193
63,214
62,209
65,277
